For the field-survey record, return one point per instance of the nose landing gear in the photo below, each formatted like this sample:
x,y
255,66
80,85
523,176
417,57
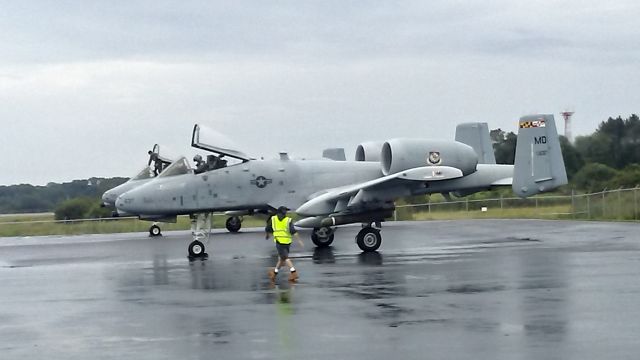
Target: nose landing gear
x,y
155,230
200,230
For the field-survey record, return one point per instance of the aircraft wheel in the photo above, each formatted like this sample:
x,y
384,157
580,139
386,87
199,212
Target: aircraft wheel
x,y
196,249
369,239
154,230
233,224
322,237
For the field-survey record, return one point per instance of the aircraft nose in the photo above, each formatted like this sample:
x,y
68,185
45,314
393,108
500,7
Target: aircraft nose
x,y
125,204
109,198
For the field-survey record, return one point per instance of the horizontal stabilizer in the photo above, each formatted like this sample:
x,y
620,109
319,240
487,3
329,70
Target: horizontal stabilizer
x,y
502,182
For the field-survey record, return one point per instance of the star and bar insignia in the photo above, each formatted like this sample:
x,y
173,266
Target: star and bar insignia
x,y
261,182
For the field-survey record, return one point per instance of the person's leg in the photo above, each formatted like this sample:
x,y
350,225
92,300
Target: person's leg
x,y
278,265
290,265
274,271
293,274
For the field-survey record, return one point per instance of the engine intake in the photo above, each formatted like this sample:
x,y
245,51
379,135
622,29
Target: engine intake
x,y
369,151
402,154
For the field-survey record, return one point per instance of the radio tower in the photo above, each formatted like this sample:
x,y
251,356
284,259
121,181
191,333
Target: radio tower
x,y
567,124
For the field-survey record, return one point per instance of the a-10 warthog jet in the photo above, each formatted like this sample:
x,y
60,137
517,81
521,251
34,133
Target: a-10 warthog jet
x,y
328,193
142,177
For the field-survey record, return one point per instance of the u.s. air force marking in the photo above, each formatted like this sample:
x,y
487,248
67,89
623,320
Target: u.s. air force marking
x,y
261,182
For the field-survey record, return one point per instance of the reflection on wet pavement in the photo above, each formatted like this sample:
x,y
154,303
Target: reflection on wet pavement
x,y
531,293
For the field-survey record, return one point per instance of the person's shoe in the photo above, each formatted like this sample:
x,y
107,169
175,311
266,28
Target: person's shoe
x,y
272,274
293,276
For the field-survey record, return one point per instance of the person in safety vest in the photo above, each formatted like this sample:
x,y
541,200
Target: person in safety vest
x,y
281,227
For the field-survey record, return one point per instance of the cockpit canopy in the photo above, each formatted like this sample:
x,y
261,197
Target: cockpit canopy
x,y
146,173
178,167
211,140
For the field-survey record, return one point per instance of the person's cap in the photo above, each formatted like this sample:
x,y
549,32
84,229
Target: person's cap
x,y
282,210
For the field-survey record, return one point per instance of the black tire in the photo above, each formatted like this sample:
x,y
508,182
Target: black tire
x,y
196,249
322,237
369,239
233,224
155,230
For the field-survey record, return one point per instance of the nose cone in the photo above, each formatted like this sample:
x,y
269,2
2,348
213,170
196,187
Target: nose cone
x,y
109,198
126,204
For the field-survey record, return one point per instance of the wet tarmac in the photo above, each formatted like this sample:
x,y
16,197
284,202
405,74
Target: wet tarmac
x,y
476,289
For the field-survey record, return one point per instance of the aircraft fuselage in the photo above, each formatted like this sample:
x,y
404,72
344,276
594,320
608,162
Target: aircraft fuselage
x,y
267,184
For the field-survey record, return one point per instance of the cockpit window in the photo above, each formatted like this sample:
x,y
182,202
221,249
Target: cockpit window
x,y
178,167
146,173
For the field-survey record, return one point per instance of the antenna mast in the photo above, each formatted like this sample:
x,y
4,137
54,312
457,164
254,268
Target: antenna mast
x,y
567,124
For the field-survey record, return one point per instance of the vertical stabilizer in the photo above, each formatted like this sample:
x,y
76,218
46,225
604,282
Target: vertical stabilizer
x,y
538,165
336,154
476,135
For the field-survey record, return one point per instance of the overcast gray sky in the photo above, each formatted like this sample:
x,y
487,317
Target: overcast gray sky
x,y
87,87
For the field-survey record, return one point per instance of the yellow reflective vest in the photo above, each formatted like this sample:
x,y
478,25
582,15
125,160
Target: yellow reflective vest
x,y
281,232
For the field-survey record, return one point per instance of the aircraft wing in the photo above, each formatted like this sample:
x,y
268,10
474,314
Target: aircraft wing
x,y
358,195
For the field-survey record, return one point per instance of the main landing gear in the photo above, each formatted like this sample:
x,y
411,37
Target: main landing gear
x,y
200,229
233,224
369,238
322,236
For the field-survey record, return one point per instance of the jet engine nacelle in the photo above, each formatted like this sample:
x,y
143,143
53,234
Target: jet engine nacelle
x,y
369,151
402,154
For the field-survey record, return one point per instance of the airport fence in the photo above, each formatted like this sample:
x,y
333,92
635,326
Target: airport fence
x,y
29,225
618,205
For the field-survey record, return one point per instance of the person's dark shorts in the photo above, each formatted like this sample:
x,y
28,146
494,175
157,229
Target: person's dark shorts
x,y
283,250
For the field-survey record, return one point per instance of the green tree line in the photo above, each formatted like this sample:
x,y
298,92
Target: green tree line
x,y
26,198
607,159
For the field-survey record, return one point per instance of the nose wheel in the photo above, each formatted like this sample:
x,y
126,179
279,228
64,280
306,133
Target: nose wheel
x,y
369,239
196,250
155,230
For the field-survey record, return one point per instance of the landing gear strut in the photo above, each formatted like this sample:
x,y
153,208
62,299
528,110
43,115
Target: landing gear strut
x,y
322,236
369,239
233,224
199,223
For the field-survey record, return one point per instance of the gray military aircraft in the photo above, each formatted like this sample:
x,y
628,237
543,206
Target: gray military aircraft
x,y
146,175
329,193
142,177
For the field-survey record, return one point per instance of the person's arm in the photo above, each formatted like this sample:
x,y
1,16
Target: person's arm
x,y
268,230
294,232
299,239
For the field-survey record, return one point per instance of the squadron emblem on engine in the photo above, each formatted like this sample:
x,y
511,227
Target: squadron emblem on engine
x,y
434,158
